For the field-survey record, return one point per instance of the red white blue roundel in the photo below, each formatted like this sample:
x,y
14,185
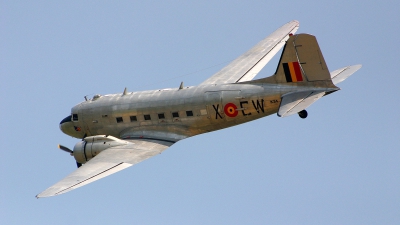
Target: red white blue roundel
x,y
230,110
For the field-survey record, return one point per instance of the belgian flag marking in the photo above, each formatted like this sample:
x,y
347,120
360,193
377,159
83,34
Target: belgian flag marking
x,y
292,72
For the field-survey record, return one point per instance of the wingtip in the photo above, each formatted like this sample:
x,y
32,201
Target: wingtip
x,y
295,25
42,196
296,22
355,67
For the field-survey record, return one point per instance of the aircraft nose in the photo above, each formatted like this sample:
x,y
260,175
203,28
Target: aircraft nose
x,y
68,128
66,125
66,119
71,128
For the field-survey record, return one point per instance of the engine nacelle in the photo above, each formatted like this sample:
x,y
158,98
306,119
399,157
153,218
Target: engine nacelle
x,y
92,146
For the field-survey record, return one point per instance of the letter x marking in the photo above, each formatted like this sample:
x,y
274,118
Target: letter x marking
x,y
216,112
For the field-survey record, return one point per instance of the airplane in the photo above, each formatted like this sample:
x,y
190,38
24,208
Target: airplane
x,y
121,130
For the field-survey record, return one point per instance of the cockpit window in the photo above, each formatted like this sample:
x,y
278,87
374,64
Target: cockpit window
x,y
74,117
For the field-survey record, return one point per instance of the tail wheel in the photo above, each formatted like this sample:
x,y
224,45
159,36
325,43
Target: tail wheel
x,y
303,114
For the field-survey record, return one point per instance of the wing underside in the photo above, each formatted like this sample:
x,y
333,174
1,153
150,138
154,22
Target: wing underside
x,y
106,163
248,65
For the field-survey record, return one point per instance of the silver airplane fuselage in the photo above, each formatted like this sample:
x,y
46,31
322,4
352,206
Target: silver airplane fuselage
x,y
174,114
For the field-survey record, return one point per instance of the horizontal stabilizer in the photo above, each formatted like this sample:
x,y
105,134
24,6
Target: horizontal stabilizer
x,y
343,73
292,103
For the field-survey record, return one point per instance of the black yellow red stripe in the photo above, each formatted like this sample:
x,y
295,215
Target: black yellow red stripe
x,y
292,72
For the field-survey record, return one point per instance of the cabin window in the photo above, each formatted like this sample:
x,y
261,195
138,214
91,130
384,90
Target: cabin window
x,y
133,118
175,114
189,113
147,117
161,116
74,117
119,120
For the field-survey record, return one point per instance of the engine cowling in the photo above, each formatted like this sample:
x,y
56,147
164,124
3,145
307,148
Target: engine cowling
x,y
93,145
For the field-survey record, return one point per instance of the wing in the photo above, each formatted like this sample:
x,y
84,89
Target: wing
x,y
342,74
247,66
106,163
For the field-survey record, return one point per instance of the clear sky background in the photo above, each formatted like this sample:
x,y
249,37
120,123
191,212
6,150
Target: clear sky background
x,y
341,165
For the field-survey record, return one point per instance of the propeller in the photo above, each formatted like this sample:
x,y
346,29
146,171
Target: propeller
x,y
62,147
66,149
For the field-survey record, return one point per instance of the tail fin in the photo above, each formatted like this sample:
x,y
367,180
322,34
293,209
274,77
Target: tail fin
x,y
301,62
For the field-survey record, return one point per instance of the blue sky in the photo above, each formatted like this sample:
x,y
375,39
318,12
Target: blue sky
x,y
338,166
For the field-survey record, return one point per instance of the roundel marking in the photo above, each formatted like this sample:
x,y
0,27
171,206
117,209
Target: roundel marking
x,y
230,110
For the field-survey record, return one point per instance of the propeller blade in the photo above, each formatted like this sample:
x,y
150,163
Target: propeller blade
x,y
65,149
62,147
